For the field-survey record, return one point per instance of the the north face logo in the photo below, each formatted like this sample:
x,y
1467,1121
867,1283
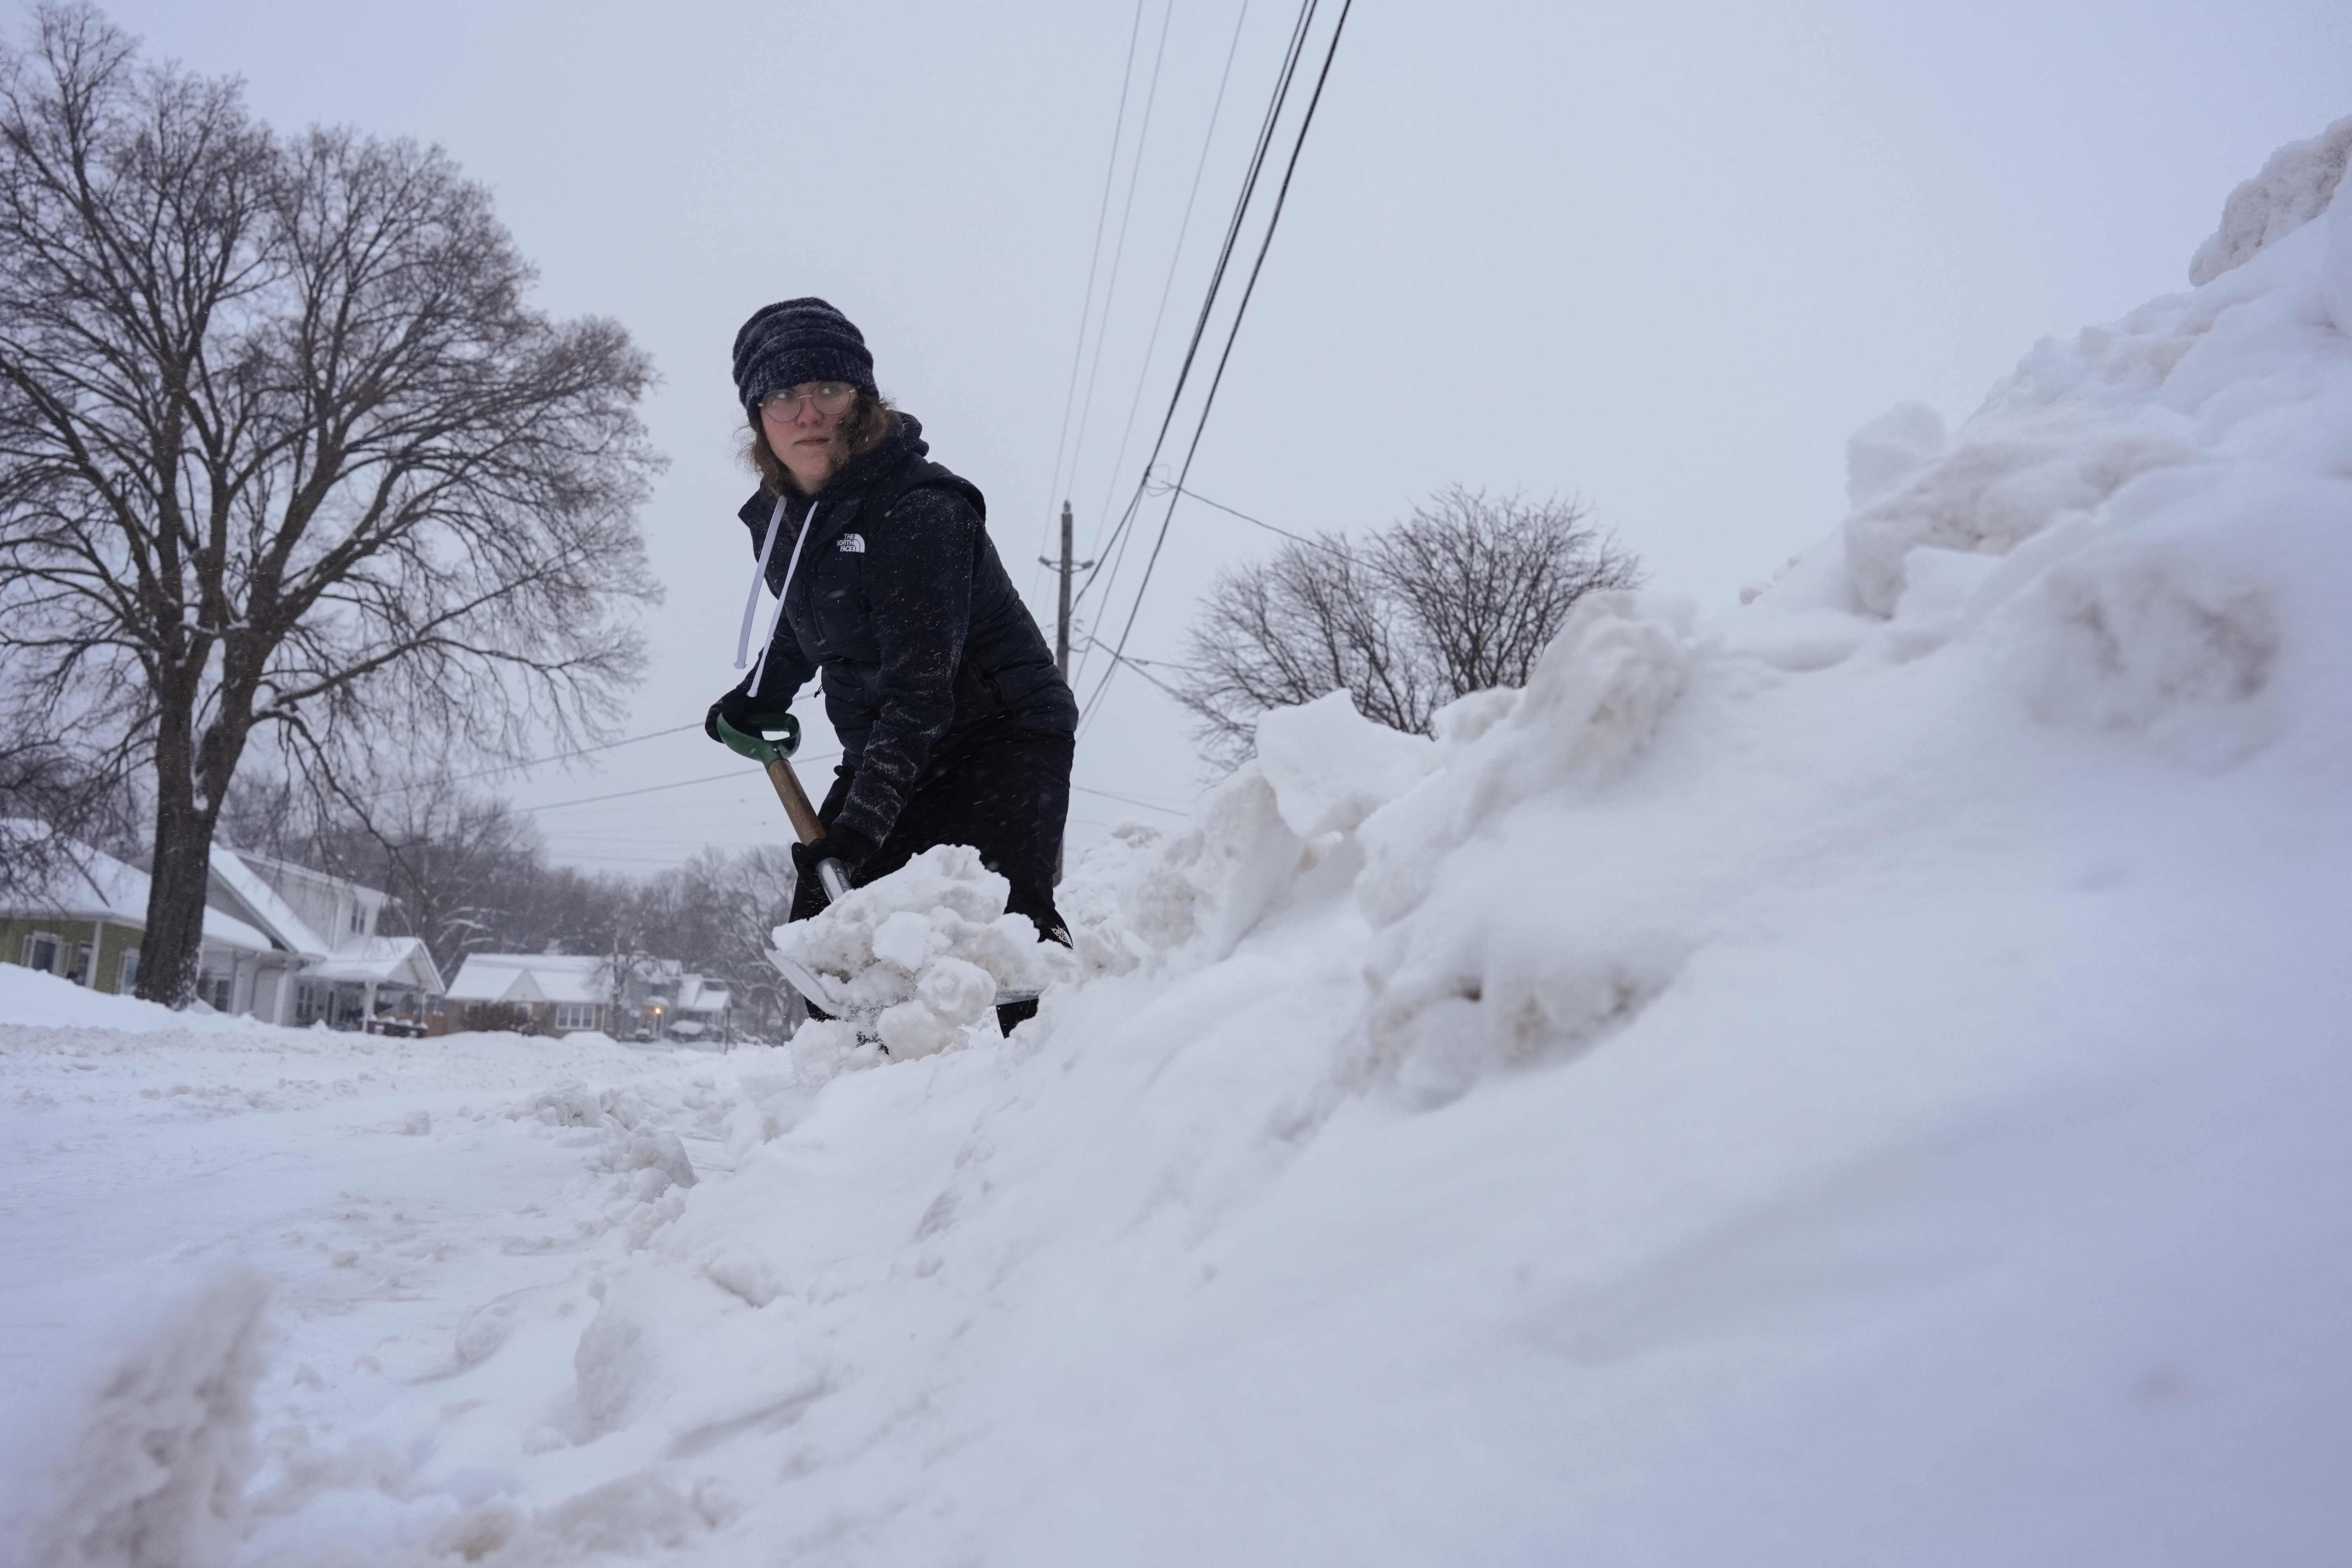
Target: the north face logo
x,y
852,542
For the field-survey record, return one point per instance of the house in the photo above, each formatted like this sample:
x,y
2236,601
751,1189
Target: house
x,y
665,1000
560,993
333,965
282,942
87,923
703,1008
536,993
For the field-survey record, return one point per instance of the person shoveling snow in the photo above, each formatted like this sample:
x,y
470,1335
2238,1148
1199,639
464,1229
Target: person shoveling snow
x,y
955,726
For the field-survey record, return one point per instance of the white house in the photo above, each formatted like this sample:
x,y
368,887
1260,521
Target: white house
x,y
703,1007
553,992
328,960
562,993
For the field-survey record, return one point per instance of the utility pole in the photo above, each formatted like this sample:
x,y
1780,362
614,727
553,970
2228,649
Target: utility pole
x,y
1066,566
1061,631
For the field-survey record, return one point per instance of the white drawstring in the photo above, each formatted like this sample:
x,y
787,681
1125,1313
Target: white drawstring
x,y
768,646
758,574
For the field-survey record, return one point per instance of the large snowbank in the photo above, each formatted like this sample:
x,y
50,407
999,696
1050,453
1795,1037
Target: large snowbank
x,y
1855,1079
29,997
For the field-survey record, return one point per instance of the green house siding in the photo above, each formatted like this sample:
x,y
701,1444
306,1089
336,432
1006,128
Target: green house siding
x,y
111,940
114,940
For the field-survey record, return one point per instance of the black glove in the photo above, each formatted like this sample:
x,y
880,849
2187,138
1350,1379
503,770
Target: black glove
x,y
847,845
737,709
736,706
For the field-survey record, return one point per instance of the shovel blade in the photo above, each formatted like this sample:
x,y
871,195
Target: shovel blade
x,y
833,996
820,990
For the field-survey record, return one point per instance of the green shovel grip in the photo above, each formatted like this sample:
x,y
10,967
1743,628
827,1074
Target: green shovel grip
x,y
755,744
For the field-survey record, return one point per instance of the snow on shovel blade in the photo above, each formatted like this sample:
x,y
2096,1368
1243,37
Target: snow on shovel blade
x,y
818,989
833,996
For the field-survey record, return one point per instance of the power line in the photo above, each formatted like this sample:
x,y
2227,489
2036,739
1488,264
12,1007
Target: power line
x,y
528,763
1131,800
1118,249
1094,263
1112,551
1138,665
1281,196
1165,488
1175,259
734,774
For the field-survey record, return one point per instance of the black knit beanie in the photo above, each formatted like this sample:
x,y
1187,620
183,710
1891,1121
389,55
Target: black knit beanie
x,y
797,340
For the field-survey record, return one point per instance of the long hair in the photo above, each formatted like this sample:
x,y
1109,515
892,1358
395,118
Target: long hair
x,y
866,425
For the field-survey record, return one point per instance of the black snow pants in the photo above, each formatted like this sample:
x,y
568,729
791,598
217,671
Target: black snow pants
x,y
1007,794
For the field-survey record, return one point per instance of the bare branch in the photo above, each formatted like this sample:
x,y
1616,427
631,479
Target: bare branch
x,y
1459,597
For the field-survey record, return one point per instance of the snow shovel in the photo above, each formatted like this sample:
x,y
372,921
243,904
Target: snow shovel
x,y
770,754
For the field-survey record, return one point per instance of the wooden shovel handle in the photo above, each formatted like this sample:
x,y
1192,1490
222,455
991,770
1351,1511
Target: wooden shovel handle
x,y
796,801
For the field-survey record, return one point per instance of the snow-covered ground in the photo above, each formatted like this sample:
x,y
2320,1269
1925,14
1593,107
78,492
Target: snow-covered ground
x,y
1863,1077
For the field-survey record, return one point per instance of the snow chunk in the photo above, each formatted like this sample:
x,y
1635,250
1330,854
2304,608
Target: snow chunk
x,y
922,952
1322,771
1889,450
1458,993
1596,696
2294,186
1205,889
2163,633
1331,767
1469,716
745,1270
2003,484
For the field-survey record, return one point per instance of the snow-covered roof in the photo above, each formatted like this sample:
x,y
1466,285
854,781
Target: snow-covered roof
x,y
261,904
701,993
530,977
107,888
385,960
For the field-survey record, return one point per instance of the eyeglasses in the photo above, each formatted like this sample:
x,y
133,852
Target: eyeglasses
x,y
831,397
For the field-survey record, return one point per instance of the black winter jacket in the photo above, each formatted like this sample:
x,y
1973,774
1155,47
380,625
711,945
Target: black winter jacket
x,y
900,600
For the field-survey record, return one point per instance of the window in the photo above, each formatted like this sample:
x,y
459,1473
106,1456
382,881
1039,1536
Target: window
x,y
216,990
41,951
305,1002
576,1015
129,979
85,955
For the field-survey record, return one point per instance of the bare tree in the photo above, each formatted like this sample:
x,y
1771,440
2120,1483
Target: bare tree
x,y
42,783
464,872
285,458
1460,596
729,908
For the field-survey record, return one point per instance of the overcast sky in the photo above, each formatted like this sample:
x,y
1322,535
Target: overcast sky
x,y
1664,257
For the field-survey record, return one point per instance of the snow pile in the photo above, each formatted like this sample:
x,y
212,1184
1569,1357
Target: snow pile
x,y
27,996
1853,1078
2108,451
916,956
155,1474
2293,187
